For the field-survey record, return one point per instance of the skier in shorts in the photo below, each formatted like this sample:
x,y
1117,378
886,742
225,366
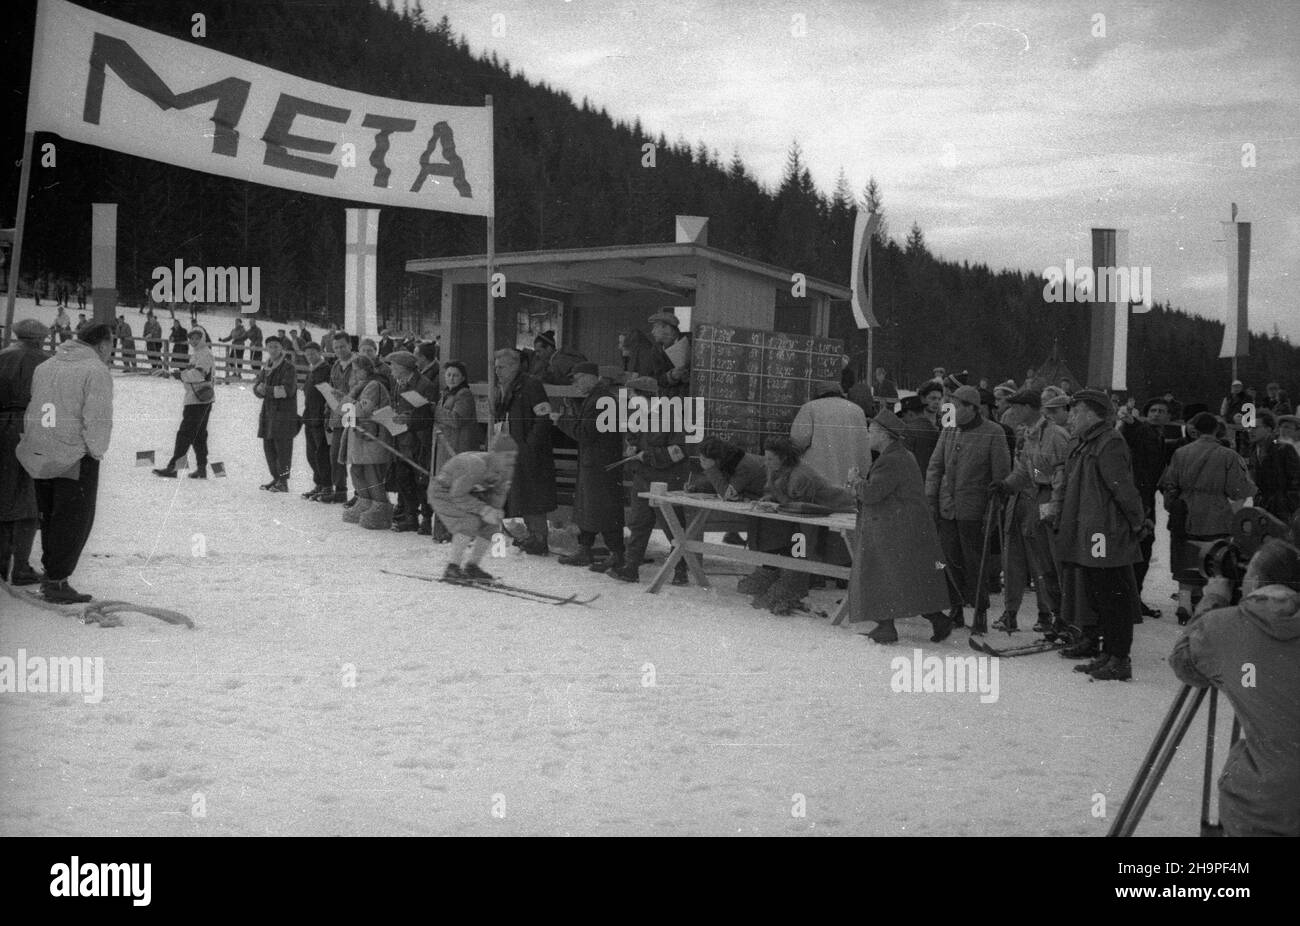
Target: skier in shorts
x,y
468,496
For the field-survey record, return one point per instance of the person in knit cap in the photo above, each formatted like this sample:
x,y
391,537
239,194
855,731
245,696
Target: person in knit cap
x,y
18,512
468,496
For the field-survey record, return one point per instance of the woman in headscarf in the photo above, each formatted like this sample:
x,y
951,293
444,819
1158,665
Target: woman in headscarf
x,y
455,427
897,564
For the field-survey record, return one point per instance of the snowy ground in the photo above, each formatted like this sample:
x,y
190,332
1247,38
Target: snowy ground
x,y
473,713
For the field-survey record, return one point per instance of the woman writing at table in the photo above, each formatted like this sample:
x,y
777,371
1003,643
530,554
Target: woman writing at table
x,y
738,476
897,564
791,483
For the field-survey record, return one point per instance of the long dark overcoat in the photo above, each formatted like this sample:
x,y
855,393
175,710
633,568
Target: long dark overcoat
x,y
525,411
17,363
898,569
598,497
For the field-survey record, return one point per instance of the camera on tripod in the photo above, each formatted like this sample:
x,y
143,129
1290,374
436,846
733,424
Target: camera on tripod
x,y
1229,556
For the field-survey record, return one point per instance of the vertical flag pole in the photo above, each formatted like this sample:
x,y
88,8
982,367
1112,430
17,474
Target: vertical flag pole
x,y
25,179
491,246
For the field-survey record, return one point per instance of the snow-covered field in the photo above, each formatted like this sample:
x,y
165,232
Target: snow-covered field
x,y
472,713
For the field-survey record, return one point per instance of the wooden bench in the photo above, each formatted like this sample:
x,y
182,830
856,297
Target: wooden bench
x,y
689,545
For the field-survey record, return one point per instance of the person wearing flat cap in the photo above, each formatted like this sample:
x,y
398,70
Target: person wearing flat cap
x,y
1099,520
1288,430
831,433
898,568
673,366
598,494
659,456
971,454
18,511
416,442
1038,466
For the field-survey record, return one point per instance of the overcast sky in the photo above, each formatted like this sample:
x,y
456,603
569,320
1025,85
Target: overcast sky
x,y
1005,130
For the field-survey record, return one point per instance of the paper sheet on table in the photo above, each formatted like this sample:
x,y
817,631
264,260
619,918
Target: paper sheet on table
x,y
385,417
416,400
328,392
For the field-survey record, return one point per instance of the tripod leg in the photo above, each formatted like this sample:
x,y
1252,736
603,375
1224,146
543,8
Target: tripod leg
x,y
1208,828
1161,752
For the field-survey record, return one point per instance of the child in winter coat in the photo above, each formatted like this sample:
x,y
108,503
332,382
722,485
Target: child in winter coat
x,y
468,496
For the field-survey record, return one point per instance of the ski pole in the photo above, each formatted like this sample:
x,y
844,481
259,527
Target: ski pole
x,y
1208,828
401,456
983,565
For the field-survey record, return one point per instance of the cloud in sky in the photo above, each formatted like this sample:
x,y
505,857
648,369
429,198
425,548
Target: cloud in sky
x,y
1005,130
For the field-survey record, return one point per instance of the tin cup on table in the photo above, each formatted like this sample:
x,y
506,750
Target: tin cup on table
x,y
658,488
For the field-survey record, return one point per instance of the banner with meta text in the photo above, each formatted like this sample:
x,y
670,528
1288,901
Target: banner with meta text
x,y
104,82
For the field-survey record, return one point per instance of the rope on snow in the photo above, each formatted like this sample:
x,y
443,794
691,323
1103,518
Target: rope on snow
x,y
102,613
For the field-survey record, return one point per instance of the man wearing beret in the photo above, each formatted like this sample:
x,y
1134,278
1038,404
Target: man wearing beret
x,y
1100,522
18,512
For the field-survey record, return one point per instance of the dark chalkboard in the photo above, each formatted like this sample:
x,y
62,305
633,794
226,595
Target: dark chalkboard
x,y
754,382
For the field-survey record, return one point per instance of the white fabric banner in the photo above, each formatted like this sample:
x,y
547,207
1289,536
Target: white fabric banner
x,y
864,229
103,82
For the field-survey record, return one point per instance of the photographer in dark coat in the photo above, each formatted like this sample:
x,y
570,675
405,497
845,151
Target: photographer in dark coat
x,y
1259,789
598,497
521,409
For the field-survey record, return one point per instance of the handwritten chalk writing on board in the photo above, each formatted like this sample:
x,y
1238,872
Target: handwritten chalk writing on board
x,y
754,382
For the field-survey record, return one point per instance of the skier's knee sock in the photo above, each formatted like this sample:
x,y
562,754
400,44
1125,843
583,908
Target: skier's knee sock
x,y
459,544
477,551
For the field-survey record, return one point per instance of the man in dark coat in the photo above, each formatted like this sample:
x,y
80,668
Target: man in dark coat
x,y
340,382
18,512
255,345
416,442
660,457
598,497
1099,522
315,416
1147,453
920,436
520,408
277,386
153,341
236,339
1274,468
674,375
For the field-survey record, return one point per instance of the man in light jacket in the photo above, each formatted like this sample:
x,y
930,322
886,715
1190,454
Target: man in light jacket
x,y
971,455
196,408
66,432
832,433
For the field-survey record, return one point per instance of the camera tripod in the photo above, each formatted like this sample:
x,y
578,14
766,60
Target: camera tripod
x,y
1161,753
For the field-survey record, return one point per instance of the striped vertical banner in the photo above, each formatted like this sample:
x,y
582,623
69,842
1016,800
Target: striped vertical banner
x,y
1236,320
360,312
103,262
1108,344
864,229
